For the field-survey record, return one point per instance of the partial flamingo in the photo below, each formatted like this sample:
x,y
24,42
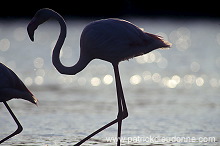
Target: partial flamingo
x,y
12,87
112,40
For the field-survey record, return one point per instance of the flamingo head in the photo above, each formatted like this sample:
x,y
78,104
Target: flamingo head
x,y
40,17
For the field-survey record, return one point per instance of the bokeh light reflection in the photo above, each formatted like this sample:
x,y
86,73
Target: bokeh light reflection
x,y
156,77
162,63
108,79
146,75
4,44
151,57
95,81
28,81
180,67
39,80
181,38
199,81
214,82
20,34
38,62
135,79
81,81
195,66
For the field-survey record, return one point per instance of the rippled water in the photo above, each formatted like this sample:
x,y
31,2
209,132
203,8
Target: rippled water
x,y
169,93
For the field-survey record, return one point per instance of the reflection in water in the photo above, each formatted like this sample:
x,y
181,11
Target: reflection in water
x,y
95,81
195,66
28,81
4,44
81,81
20,34
39,80
38,62
108,79
199,81
135,79
174,87
180,37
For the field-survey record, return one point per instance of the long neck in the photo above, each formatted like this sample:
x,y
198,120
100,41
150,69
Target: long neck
x,y
80,65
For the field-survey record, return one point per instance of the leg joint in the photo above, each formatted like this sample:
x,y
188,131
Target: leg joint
x,y
122,115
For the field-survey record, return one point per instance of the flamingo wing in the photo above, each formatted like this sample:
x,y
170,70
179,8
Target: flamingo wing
x,y
12,85
117,40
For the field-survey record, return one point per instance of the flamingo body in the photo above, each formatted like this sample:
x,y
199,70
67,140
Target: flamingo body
x,y
12,87
115,40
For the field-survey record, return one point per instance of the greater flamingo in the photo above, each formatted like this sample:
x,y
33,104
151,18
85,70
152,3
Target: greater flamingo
x,y
112,40
12,87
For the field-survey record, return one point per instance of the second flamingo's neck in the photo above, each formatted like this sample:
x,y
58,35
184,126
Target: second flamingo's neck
x,y
80,65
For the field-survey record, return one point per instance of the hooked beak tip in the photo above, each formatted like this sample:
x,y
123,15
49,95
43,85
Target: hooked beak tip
x,y
30,33
32,39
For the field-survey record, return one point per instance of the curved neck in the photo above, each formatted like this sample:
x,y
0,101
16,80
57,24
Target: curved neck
x,y
80,65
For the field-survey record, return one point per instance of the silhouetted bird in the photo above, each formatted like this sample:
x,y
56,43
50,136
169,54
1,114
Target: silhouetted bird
x,y
112,40
12,87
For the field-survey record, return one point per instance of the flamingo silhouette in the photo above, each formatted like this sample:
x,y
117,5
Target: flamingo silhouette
x,y
12,87
112,40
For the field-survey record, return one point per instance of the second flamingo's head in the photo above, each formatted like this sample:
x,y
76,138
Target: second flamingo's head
x,y
40,17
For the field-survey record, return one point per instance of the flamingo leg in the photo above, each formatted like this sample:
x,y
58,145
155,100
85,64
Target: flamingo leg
x,y
119,118
119,132
96,132
122,110
19,129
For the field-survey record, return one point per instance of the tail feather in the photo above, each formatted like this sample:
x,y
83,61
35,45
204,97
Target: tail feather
x,y
16,87
164,44
35,100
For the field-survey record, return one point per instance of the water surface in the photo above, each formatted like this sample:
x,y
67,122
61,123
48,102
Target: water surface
x,y
169,93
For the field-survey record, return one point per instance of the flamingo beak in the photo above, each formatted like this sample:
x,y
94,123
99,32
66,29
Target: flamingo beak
x,y
31,28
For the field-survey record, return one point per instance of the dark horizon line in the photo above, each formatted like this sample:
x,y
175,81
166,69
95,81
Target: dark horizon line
x,y
149,15
118,11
